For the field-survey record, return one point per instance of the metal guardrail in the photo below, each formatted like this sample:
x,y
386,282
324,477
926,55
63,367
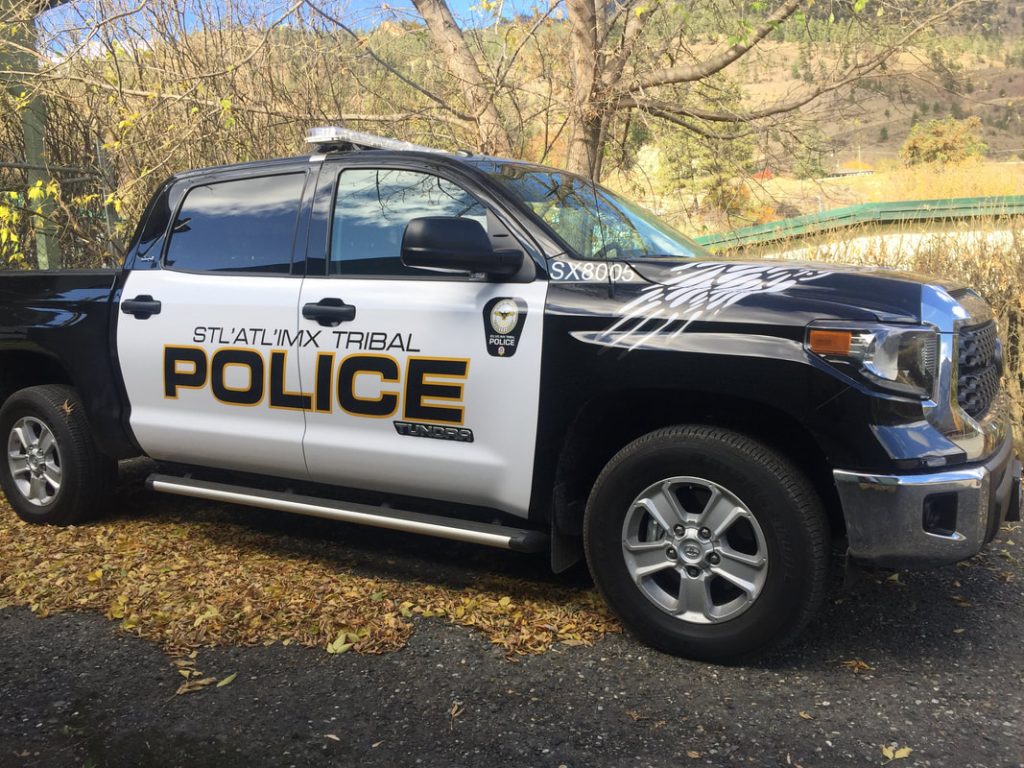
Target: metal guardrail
x,y
909,211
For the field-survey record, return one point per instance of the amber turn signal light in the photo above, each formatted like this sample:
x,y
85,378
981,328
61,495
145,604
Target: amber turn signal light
x,y
830,342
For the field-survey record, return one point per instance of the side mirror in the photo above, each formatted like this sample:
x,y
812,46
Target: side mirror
x,y
453,243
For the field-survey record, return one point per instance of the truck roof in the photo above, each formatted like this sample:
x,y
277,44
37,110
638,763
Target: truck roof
x,y
254,164
332,140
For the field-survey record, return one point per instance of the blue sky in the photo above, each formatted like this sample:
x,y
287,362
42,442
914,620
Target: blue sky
x,y
359,13
70,21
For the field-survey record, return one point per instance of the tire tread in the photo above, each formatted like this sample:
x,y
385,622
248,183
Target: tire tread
x,y
807,504
90,484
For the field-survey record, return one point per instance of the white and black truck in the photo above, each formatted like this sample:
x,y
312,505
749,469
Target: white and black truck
x,y
506,354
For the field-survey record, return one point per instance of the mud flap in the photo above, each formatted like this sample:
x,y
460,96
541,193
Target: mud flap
x,y
566,531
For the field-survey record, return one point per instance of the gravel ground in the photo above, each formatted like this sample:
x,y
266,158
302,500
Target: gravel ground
x,y
944,677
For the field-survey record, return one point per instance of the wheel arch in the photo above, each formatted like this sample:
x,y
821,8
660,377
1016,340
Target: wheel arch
x,y
609,422
21,368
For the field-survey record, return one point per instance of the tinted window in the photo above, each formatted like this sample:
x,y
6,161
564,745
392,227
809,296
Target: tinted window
x,y
372,208
246,225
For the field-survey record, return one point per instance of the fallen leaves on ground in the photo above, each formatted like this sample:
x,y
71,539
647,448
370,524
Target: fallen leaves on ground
x,y
455,711
194,679
896,753
195,685
202,580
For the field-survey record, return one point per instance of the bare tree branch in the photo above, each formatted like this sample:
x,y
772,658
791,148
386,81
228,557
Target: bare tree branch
x,y
448,37
632,29
390,68
694,72
694,128
857,72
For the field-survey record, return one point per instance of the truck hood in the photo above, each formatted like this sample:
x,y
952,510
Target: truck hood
x,y
800,290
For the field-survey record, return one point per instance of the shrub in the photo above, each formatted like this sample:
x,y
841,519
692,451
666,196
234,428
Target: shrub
x,y
728,196
943,141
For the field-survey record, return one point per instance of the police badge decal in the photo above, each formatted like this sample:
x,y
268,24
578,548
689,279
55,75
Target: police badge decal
x,y
504,318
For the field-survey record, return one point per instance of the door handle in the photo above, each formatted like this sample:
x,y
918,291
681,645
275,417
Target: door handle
x,y
329,312
142,307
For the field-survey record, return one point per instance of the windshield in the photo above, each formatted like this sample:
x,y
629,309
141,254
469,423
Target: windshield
x,y
593,222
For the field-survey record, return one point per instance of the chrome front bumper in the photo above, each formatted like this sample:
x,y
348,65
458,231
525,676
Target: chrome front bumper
x,y
922,520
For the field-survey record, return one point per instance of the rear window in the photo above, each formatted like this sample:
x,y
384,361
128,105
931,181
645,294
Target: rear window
x,y
244,225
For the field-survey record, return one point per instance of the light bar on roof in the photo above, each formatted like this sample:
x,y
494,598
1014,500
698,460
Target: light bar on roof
x,y
332,135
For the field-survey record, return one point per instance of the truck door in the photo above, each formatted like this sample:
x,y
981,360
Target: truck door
x,y
207,342
424,383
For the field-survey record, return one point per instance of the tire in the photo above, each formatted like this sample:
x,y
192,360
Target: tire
x,y
67,480
776,518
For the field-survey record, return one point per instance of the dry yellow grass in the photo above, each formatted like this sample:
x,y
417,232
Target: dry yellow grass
x,y
773,199
972,179
192,580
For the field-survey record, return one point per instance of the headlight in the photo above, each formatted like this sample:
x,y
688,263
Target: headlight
x,y
899,358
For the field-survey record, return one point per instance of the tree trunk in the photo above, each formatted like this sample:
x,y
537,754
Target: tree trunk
x,y
585,118
447,36
585,139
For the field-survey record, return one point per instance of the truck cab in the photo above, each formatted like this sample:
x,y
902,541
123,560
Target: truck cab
x,y
506,354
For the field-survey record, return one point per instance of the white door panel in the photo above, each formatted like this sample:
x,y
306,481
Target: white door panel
x,y
213,423
415,361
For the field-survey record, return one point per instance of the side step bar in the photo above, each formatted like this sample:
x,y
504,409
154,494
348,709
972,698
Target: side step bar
x,y
500,536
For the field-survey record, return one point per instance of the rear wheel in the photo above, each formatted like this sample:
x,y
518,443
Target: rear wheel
x,y
53,472
707,543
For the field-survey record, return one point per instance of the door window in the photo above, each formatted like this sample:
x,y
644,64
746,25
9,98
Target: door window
x,y
243,225
372,208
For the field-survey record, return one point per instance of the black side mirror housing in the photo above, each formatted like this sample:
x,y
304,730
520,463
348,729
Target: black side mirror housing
x,y
457,244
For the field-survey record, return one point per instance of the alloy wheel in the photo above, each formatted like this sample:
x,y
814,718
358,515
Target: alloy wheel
x,y
34,461
695,550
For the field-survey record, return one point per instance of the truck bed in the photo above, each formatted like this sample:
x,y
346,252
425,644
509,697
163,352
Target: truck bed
x,y
59,322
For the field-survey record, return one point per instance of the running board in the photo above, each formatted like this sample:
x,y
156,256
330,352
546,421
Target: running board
x,y
500,536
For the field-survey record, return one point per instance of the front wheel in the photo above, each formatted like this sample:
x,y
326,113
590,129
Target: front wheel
x,y
707,543
52,472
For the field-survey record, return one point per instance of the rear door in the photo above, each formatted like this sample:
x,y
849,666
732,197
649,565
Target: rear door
x,y
208,341
428,384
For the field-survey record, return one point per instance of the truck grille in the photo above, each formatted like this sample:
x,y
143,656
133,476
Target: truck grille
x,y
978,370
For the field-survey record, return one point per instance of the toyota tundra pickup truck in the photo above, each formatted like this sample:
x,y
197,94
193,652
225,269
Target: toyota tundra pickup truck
x,y
506,354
